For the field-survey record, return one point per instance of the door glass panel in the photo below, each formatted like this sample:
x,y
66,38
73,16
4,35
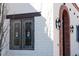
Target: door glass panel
x,y
77,31
17,33
28,33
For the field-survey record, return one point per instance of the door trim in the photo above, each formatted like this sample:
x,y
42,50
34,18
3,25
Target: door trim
x,y
62,8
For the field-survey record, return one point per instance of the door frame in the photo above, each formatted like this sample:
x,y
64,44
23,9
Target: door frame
x,y
62,8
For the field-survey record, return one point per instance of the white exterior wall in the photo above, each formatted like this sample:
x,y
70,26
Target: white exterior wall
x,y
74,45
43,34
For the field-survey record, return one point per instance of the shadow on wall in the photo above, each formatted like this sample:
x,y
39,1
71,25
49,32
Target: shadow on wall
x,y
43,43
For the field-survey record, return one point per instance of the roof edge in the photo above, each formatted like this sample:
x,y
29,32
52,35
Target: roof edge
x,y
24,15
75,5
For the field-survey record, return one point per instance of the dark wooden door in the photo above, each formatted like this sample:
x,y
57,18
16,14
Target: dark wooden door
x,y
28,33
15,34
65,34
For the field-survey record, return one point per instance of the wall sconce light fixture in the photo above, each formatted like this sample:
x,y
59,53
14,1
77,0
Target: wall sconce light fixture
x,y
71,28
57,23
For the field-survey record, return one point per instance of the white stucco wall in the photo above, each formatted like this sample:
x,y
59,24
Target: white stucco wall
x,y
43,36
74,45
